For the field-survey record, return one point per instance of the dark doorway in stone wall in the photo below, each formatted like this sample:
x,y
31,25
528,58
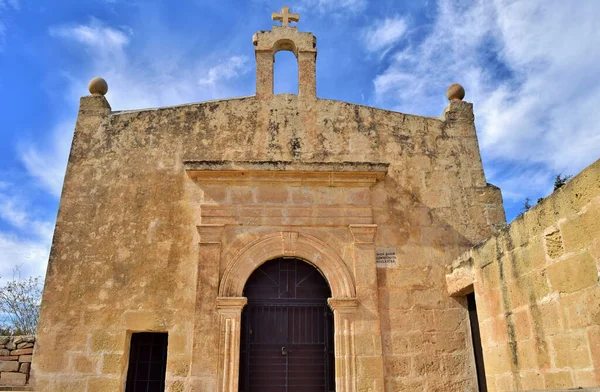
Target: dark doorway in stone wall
x,y
476,336
147,362
287,330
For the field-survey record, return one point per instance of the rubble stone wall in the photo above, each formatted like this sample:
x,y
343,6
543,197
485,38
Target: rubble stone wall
x,y
15,359
537,292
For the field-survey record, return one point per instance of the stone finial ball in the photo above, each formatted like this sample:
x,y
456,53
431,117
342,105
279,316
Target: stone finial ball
x,y
455,92
98,86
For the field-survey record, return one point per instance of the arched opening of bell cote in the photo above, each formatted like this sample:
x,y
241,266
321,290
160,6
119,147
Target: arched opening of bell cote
x,y
285,73
287,329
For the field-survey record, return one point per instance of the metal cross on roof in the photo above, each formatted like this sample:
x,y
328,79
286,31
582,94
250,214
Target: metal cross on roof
x,y
285,17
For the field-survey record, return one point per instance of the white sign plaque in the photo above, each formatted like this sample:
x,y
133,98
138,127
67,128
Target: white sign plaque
x,y
386,258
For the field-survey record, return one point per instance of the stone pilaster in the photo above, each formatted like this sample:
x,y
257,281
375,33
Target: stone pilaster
x,y
307,74
344,314
230,319
368,333
264,74
204,350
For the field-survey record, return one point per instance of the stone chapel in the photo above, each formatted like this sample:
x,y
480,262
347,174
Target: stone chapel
x,y
273,243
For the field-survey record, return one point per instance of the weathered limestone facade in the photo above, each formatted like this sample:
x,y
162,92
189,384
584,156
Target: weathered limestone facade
x,y
166,212
537,290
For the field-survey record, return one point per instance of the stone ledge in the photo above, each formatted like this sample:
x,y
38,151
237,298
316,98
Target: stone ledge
x,y
309,173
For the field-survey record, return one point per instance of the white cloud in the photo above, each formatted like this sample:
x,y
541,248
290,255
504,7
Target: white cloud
x,y
384,33
536,109
46,163
25,239
14,212
227,70
96,36
154,76
30,255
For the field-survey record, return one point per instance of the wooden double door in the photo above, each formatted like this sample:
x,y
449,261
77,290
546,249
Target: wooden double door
x,y
287,330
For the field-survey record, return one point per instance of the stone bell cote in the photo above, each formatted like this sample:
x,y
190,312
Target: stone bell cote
x,y
285,37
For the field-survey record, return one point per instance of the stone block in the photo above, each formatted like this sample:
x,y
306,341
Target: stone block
x,y
358,197
13,379
394,300
178,365
426,365
558,380
574,273
9,366
445,342
532,380
178,343
176,386
554,244
571,350
522,325
24,351
101,384
9,358
518,293
427,299
594,339
455,364
591,218
497,359
460,384
396,342
490,304
490,276
586,378
451,320
505,382
272,194
527,258
104,341
112,364
574,233
494,330
581,308
25,358
404,384
397,366
25,367
403,277
241,194
83,364
526,354
547,317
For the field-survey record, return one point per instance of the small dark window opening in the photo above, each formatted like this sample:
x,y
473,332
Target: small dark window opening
x,y
147,362
476,336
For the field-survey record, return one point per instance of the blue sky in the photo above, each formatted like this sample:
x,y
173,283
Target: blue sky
x,y
530,68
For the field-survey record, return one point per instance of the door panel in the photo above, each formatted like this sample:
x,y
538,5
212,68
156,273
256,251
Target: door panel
x,y
287,330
